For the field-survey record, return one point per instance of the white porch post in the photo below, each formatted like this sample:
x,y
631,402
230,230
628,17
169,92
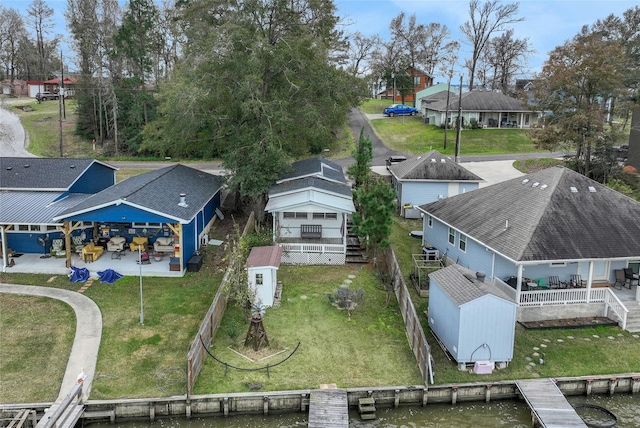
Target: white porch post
x,y
519,284
3,237
589,280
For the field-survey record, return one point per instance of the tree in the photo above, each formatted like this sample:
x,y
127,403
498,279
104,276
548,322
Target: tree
x,y
359,52
412,38
484,21
12,32
360,171
504,57
578,76
41,20
375,207
255,86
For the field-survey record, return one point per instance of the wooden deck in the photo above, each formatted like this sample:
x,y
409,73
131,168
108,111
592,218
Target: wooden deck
x,y
328,408
548,404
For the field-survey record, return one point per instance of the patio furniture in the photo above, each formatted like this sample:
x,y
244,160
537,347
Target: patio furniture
x,y
163,245
57,248
577,281
554,282
116,243
91,252
139,242
77,244
631,277
117,254
621,280
144,258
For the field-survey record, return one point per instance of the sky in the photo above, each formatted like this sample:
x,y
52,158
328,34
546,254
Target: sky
x,y
547,24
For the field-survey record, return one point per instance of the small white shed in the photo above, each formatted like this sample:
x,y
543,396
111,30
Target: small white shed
x,y
262,269
474,319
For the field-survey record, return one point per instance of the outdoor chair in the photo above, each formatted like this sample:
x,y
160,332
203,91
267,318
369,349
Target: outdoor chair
x,y
57,248
77,244
116,243
139,242
631,277
554,282
577,281
621,281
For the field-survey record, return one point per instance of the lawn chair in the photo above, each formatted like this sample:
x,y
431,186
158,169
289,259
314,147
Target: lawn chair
x,y
554,282
542,284
577,281
630,277
621,281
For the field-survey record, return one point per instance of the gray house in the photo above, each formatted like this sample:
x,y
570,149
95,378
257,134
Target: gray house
x,y
490,109
551,223
427,178
475,321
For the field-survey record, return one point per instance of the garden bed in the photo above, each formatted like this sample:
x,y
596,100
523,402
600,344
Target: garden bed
x,y
569,323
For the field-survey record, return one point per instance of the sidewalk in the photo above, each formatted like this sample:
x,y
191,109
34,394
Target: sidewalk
x,y
84,352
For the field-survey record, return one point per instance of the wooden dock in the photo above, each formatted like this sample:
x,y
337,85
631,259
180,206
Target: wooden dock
x,y
548,405
328,408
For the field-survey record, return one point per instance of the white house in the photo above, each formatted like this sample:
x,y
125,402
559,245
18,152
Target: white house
x,y
262,272
310,208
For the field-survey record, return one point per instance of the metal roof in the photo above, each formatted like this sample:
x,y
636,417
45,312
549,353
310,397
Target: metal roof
x,y
23,173
553,214
159,192
35,207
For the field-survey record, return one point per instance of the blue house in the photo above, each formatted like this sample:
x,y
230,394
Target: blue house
x,y
34,191
552,223
475,321
427,178
176,204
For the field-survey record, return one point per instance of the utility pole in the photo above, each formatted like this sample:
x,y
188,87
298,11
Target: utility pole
x,y
62,94
459,123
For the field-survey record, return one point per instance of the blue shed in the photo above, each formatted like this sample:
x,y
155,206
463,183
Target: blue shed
x,y
473,319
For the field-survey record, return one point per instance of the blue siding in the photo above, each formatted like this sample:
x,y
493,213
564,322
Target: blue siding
x,y
487,320
468,187
121,214
444,317
420,193
27,242
189,240
96,178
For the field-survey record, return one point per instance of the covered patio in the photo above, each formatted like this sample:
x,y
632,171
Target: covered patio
x,y
126,265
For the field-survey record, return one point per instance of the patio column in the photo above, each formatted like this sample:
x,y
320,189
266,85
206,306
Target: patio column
x,y
589,280
519,284
3,237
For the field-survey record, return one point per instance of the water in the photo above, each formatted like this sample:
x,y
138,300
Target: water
x,y
506,413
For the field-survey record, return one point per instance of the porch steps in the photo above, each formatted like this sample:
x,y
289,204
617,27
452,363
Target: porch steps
x,y
354,254
633,317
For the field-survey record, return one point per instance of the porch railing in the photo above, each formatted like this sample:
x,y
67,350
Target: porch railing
x,y
576,295
313,248
612,302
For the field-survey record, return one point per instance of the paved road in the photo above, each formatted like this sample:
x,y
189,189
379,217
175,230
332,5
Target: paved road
x,y
13,139
84,352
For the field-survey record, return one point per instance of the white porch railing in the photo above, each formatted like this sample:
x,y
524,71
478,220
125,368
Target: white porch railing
x,y
313,248
576,295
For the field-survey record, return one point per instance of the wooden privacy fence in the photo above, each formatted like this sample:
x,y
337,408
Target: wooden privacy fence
x,y
197,352
415,333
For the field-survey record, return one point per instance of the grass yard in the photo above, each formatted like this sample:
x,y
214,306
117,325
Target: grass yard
x,y
43,127
411,135
369,350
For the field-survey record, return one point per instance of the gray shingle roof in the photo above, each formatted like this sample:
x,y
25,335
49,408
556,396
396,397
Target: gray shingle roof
x,y
23,207
158,191
42,173
543,218
462,286
318,167
480,101
303,183
432,166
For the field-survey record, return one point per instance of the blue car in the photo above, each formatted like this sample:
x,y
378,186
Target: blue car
x,y
400,109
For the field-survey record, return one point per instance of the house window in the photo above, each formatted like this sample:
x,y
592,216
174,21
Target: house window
x,y
429,221
416,81
259,279
295,215
328,216
301,215
480,117
452,236
23,227
51,227
462,244
36,228
558,264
